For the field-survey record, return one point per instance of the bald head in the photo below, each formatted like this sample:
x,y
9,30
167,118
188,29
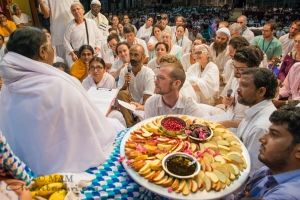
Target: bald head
x,y
137,55
243,21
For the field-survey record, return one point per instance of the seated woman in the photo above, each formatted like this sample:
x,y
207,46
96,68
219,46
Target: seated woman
x,y
290,88
20,18
80,67
290,59
188,59
173,48
204,75
181,40
155,38
161,49
58,128
98,76
111,55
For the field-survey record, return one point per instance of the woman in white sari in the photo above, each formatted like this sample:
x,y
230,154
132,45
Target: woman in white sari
x,y
181,40
173,48
80,31
204,75
46,115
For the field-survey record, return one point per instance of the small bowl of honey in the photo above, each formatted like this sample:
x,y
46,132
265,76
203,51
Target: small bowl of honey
x,y
181,165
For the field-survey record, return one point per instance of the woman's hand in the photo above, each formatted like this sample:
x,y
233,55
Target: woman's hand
x,y
137,106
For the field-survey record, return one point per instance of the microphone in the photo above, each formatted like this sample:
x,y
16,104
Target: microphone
x,y
229,92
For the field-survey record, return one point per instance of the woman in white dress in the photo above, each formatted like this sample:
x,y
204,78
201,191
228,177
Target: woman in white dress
x,y
111,55
188,58
181,40
21,19
120,31
115,21
204,75
161,49
80,31
175,50
155,38
98,77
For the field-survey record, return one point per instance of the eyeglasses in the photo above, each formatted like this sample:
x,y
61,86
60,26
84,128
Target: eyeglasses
x,y
97,68
198,53
239,69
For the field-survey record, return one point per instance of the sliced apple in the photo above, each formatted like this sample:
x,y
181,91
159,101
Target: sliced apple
x,y
235,157
161,156
208,167
223,142
226,135
220,159
145,172
162,139
201,147
229,168
236,169
232,138
150,175
224,147
209,156
225,171
187,188
142,157
145,168
155,164
215,164
175,184
194,187
179,147
193,147
220,175
182,137
198,180
232,143
181,185
159,176
214,178
147,134
164,179
236,148
166,147
168,182
207,181
157,173
228,182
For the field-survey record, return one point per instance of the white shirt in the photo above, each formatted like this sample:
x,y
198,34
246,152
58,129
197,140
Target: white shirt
x,y
60,14
228,69
152,64
109,57
186,62
207,80
116,65
287,44
253,126
107,81
221,59
184,43
248,34
155,106
188,91
24,18
142,83
143,31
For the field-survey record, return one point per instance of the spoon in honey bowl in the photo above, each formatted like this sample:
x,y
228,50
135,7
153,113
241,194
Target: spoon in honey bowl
x,y
193,162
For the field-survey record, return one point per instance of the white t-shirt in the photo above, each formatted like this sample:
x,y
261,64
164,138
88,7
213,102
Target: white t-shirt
x,y
152,64
248,34
24,18
143,32
142,83
287,44
155,106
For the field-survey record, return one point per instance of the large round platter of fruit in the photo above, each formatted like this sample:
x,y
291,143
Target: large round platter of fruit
x,y
156,148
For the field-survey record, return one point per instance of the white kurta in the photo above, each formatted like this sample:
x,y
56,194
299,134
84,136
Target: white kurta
x,y
248,34
152,64
186,61
207,81
153,41
107,81
142,83
49,120
109,57
101,22
221,59
185,43
155,106
75,37
144,32
24,18
287,44
60,14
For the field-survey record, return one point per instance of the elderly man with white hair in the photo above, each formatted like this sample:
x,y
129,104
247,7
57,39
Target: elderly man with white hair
x,y
99,18
174,49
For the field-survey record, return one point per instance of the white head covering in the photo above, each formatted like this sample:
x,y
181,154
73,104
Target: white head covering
x,y
96,2
225,31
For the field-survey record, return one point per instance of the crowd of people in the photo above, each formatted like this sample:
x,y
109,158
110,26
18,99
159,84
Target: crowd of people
x,y
161,68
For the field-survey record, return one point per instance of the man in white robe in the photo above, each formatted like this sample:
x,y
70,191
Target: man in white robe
x,y
99,18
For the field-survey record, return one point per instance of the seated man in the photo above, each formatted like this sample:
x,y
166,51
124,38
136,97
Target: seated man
x,y
136,84
257,87
168,99
6,27
279,151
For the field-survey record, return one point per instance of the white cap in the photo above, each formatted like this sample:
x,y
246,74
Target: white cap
x,y
96,2
225,31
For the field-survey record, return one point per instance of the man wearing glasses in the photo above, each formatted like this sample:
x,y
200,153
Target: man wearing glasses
x,y
6,27
99,18
268,43
246,32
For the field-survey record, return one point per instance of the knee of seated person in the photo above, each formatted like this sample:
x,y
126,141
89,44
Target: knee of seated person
x,y
123,94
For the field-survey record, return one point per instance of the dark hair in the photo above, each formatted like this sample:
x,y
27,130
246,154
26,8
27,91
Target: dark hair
x,y
289,115
150,17
165,44
122,43
128,29
157,26
48,30
2,13
2,37
177,73
113,36
238,42
263,77
26,41
251,55
272,24
97,59
85,46
181,25
62,65
112,29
